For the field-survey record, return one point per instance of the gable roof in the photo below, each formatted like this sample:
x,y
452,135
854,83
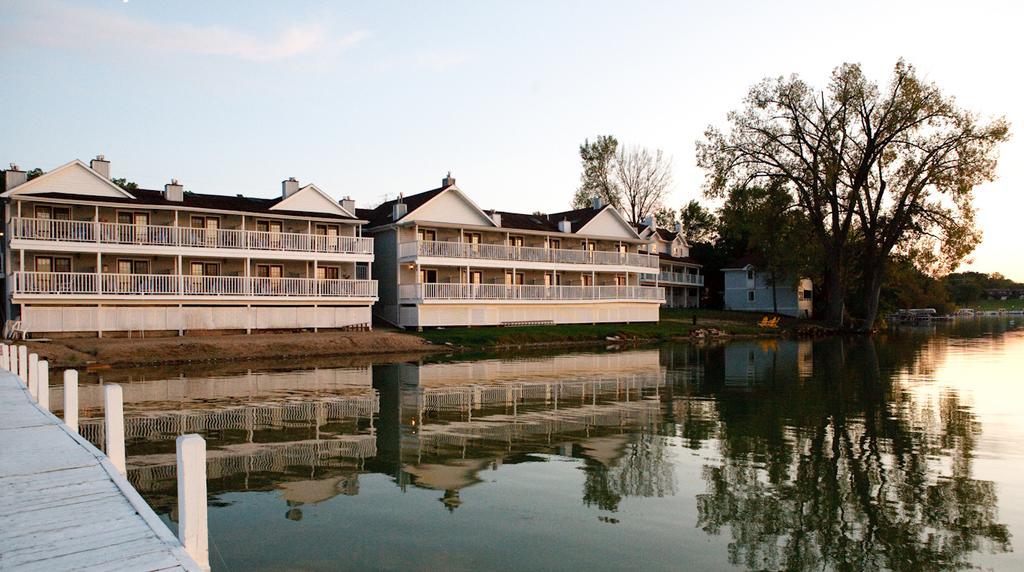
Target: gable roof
x,y
200,201
26,188
381,214
336,208
741,263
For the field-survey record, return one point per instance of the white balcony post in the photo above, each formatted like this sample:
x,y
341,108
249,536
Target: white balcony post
x,y
43,384
113,425
32,370
71,399
192,520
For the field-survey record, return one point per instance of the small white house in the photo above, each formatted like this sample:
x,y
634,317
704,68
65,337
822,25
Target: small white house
x,y
748,289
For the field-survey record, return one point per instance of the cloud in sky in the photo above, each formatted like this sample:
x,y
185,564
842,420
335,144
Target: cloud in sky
x,y
57,24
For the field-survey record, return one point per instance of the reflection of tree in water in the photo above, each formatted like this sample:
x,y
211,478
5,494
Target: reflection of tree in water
x,y
643,470
844,471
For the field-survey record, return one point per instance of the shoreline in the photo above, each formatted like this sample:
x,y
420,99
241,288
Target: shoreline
x,y
94,354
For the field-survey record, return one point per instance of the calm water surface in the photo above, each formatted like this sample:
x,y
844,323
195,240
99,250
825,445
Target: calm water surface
x,y
903,452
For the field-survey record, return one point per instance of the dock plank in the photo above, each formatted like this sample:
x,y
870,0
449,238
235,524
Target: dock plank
x,y
63,506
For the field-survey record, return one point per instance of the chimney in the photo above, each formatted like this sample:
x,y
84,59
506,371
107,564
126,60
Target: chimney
x,y
496,217
679,227
349,204
448,181
173,191
101,166
564,226
596,203
650,222
14,177
399,209
288,187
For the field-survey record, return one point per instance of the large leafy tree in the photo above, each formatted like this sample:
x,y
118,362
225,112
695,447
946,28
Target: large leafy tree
x,y
895,166
598,158
699,223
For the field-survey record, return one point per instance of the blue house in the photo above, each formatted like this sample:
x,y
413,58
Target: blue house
x,y
749,289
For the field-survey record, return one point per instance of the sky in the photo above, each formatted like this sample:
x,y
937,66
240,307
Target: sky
x,y
372,99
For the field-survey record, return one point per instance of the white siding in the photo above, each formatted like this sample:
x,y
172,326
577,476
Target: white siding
x,y
606,223
75,180
308,199
428,315
449,207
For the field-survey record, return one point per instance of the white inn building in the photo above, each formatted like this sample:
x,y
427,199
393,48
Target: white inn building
x,y
678,273
83,255
442,261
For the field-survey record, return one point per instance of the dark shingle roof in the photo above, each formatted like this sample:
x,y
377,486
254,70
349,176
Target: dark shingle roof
x,y
681,259
381,214
199,201
749,258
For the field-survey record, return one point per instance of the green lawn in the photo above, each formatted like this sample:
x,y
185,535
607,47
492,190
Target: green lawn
x,y
675,323
988,305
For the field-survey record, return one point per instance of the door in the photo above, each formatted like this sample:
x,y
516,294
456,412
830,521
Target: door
x,y
269,278
586,280
326,237
273,237
427,235
473,238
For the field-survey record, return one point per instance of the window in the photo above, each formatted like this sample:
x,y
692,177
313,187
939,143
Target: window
x,y
586,279
474,277
204,269
427,235
750,295
53,264
328,272
269,271
623,249
473,238
268,226
552,279
53,213
620,280
132,266
362,271
554,243
808,294
516,241
750,274
518,279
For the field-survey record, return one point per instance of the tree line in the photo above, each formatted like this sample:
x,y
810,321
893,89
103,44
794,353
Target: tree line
x,y
858,184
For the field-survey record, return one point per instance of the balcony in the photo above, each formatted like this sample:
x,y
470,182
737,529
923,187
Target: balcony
x,y
172,285
503,252
527,293
674,278
176,236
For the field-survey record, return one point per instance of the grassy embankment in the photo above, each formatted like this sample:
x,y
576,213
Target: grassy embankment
x,y
990,305
674,324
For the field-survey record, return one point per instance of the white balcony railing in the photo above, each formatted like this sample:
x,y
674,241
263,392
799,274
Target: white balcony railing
x,y
442,249
675,278
88,283
156,235
528,292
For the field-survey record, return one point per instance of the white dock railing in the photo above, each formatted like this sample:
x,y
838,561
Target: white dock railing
x,y
452,249
193,531
88,283
159,235
527,292
675,278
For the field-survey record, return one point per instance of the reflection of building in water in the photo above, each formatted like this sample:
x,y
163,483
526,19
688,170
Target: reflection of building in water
x,y
750,362
248,385
435,426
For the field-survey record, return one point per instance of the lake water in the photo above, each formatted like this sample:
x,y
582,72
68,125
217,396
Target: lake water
x,y
903,451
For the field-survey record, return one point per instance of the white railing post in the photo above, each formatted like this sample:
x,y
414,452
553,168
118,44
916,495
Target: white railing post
x,y
5,357
43,384
113,425
33,376
192,524
71,399
23,364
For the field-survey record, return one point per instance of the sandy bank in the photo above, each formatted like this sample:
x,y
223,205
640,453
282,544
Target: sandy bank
x,y
80,352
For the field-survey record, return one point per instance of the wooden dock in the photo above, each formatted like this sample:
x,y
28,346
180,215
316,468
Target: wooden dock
x,y
64,506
